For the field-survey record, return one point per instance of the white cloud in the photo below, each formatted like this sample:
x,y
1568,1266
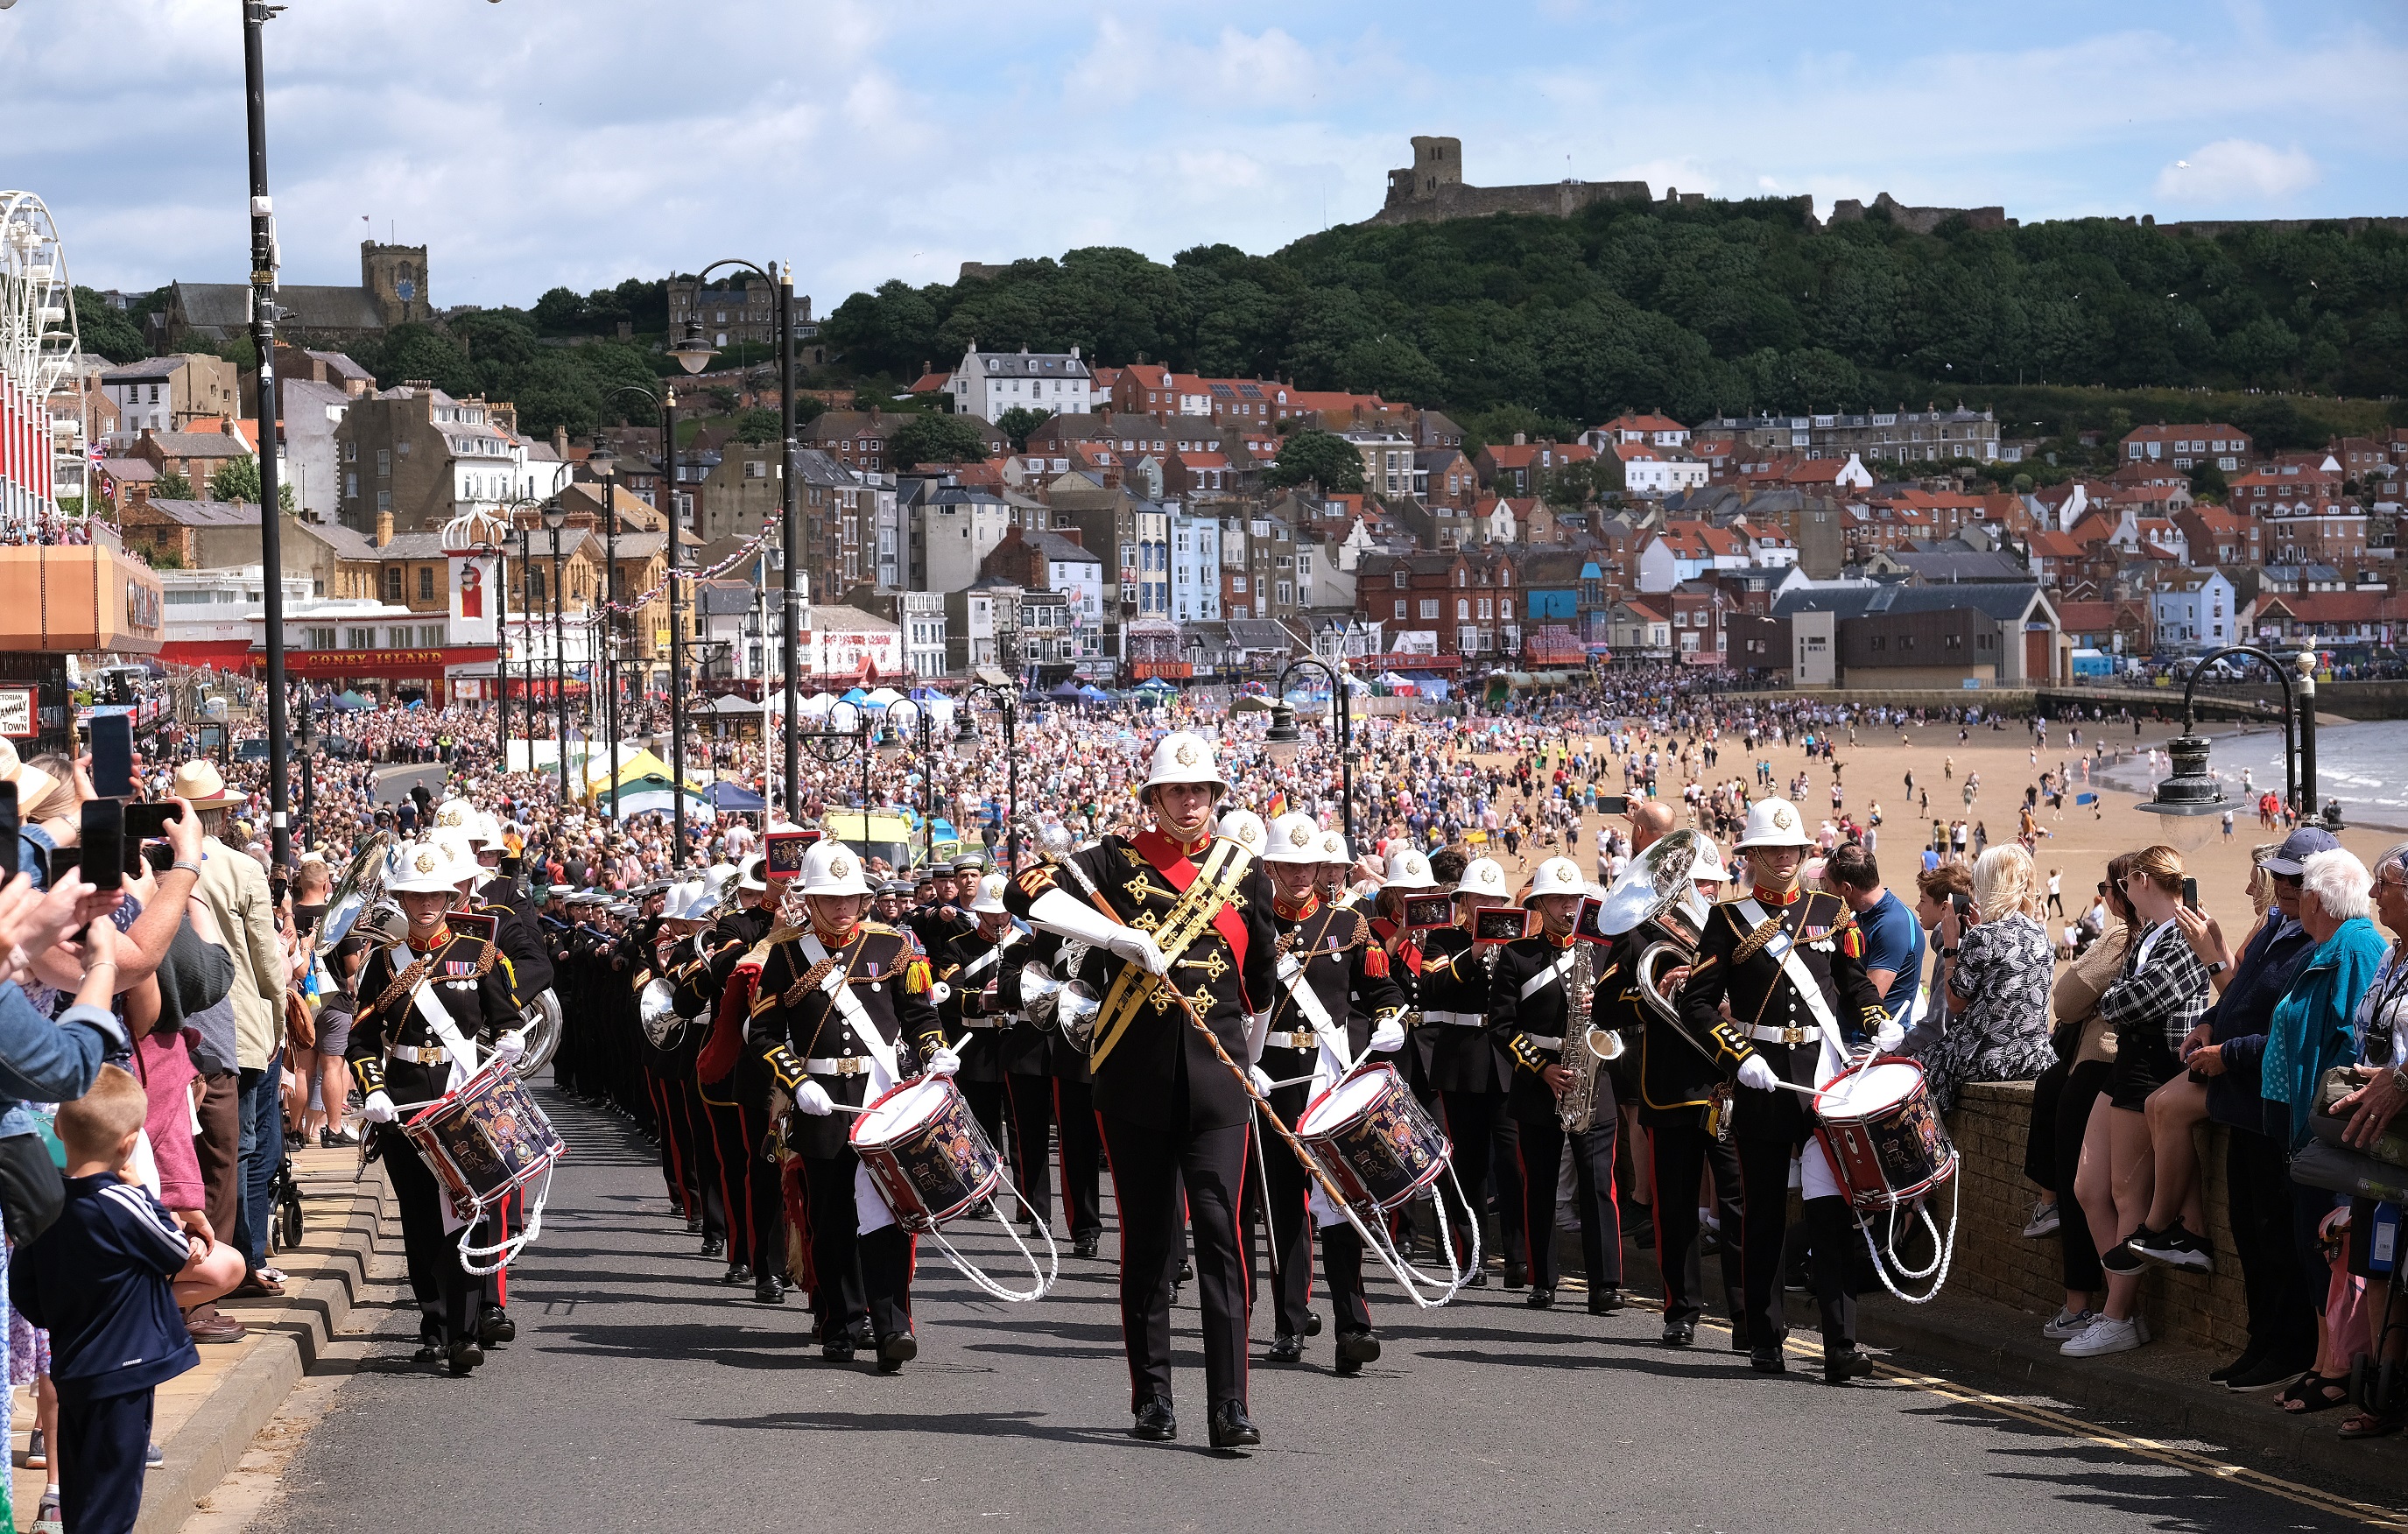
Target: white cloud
x,y
2237,170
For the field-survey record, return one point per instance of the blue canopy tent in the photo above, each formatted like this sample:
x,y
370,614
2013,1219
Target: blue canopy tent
x,y
727,795
1094,695
1069,691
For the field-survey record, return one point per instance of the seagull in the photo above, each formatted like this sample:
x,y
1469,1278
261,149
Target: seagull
x,y
2182,164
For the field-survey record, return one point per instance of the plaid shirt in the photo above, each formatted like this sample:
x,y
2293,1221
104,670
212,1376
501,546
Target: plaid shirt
x,y
2172,991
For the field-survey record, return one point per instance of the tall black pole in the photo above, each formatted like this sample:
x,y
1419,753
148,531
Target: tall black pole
x,y
1012,770
677,642
790,623
559,673
2310,809
526,565
609,625
262,335
1338,679
502,640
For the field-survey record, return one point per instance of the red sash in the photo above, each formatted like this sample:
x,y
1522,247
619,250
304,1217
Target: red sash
x,y
719,1055
1168,860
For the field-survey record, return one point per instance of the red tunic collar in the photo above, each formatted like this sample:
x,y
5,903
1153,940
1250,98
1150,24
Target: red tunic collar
x,y
436,943
1295,913
1789,897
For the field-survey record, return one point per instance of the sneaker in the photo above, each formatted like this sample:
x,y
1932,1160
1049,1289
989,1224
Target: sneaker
x,y
153,1457
2175,1247
2044,1220
2106,1335
2068,1325
2123,1258
38,1452
46,1516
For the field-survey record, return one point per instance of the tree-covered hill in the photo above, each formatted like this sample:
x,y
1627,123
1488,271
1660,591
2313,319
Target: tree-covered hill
x,y
1726,307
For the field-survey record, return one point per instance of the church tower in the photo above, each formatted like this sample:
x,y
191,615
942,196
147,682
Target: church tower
x,y
394,277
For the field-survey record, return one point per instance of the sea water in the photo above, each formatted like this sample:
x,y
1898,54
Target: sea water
x,y
2363,766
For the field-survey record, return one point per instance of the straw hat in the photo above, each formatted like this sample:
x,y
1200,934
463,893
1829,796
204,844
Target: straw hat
x,y
34,785
199,781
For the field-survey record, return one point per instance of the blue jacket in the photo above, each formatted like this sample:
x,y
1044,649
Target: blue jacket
x,y
97,1278
42,1061
2311,1028
2239,1020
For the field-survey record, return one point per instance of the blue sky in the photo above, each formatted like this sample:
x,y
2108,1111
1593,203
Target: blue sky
x,y
540,142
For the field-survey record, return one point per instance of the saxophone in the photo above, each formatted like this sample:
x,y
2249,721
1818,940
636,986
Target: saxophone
x,y
1577,1106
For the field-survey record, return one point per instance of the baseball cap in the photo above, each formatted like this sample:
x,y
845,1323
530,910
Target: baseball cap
x,y
2296,848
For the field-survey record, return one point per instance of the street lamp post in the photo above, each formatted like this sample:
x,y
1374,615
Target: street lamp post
x,y
255,14
890,746
694,353
966,736
554,515
502,641
2192,799
1283,739
833,744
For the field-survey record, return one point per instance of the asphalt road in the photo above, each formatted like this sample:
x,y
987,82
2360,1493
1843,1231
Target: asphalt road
x,y
642,1395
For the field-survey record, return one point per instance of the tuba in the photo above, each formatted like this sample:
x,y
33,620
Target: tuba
x,y
1656,895
357,893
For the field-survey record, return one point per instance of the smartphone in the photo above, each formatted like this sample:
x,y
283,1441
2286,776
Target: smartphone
x,y
159,855
112,756
63,861
103,836
1613,804
146,821
2190,893
8,832
1964,903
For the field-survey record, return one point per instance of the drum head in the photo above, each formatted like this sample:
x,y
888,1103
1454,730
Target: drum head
x,y
1869,1090
902,1110
1349,1100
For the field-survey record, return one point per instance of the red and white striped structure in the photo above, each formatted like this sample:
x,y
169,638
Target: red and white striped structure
x,y
38,351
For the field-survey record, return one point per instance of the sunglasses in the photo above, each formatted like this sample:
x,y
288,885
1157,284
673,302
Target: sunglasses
x,y
2287,877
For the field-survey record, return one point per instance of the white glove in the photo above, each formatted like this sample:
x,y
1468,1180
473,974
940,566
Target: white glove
x,y
1388,1037
1258,1034
511,1047
813,1098
1060,912
939,993
1888,1037
1262,1082
1756,1071
943,1061
378,1109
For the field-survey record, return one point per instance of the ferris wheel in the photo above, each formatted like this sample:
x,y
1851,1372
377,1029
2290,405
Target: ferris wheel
x,y
39,340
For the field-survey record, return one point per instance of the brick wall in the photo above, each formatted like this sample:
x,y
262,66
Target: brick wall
x,y
1991,1127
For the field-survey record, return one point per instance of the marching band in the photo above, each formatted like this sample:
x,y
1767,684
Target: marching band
x,y
830,1072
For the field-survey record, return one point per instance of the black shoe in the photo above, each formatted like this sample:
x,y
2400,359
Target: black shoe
x,y
837,1351
431,1348
2122,1258
738,1272
1844,1365
2249,1359
713,1247
694,1224
2176,1247
1286,1348
1768,1361
1186,1273
1517,1274
1540,1298
1642,1233
1680,1334
768,1290
1313,1323
1478,1279
464,1355
1738,1338
495,1325
2269,1371
1232,1428
896,1351
1355,1349
1606,1301
1155,1424
1085,1246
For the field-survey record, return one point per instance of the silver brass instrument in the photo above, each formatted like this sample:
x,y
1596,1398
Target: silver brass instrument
x,y
1577,1104
1051,1002
1658,895
357,892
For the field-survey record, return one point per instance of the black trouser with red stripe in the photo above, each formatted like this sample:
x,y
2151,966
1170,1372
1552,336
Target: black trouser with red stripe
x,y
1487,1148
675,1167
748,1186
1600,1217
1341,1264
1681,1154
1083,1156
1150,1163
1030,1100
1286,1190
858,1275
1830,1231
692,1118
505,1219
985,1099
437,1281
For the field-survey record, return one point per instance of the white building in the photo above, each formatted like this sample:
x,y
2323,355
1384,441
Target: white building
x,y
1194,567
953,530
2193,611
922,614
835,641
215,606
987,383
1654,472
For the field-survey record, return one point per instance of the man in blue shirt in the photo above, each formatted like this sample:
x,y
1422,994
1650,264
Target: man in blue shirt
x,y
1893,938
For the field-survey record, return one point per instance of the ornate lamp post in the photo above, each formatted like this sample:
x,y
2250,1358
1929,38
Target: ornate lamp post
x,y
965,739
2191,799
1283,739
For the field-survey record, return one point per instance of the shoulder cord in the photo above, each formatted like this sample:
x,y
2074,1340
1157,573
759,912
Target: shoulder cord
x,y
407,979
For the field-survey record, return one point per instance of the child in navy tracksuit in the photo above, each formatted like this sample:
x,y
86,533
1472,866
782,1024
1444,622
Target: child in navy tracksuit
x,y
102,1279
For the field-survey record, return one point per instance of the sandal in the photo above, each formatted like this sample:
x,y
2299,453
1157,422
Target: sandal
x,y
2369,1425
2314,1392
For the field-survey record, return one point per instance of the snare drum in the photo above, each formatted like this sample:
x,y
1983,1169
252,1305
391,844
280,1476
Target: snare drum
x,y
1884,1143
925,1152
484,1139
1373,1138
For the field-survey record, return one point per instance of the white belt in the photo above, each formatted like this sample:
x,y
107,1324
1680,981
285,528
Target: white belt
x,y
415,1055
1541,1041
982,1022
1791,1037
1305,1040
1460,1020
851,1065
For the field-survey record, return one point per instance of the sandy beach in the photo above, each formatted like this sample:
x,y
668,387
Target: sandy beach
x,y
2078,846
